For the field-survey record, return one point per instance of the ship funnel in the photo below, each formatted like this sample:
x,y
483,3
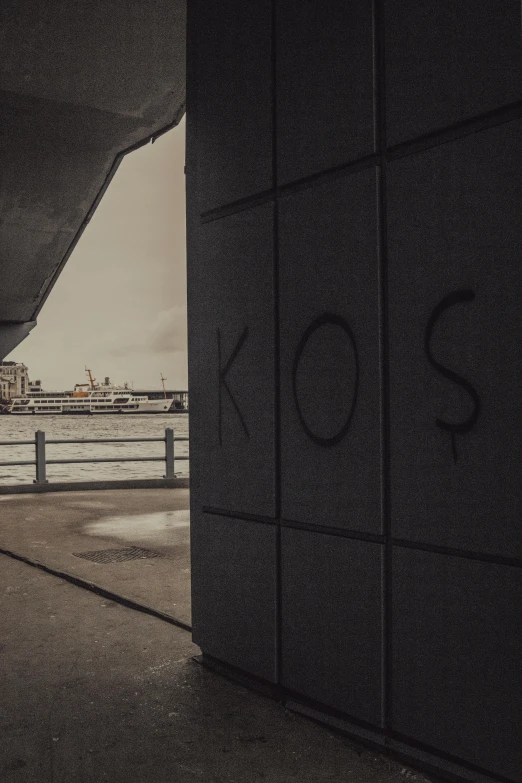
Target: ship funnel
x,y
106,381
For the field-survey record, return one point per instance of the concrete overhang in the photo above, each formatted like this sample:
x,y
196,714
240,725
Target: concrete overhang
x,y
82,83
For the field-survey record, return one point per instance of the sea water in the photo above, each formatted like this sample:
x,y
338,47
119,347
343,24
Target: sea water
x,y
13,428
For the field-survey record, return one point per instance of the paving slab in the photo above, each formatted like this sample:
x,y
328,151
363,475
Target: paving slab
x,y
54,528
93,691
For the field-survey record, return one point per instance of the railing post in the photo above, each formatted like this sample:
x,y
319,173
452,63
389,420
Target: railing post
x,y
169,453
39,439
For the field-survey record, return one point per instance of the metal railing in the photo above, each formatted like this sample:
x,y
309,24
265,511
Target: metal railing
x,y
40,461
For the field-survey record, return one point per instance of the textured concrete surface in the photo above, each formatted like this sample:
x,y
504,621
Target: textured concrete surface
x,y
93,691
387,311
51,528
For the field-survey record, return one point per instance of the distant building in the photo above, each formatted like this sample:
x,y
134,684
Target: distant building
x,y
14,380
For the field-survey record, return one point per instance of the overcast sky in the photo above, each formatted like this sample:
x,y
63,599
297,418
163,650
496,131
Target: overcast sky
x,y
119,306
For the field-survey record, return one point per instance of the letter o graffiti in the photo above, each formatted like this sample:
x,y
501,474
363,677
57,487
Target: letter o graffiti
x,y
318,323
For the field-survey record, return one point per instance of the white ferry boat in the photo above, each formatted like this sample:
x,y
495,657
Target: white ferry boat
x,y
101,398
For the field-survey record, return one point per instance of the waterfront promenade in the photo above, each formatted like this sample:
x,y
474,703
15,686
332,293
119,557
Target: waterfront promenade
x,y
93,690
52,529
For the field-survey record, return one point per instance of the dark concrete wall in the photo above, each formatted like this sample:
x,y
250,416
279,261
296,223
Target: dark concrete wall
x,y
355,280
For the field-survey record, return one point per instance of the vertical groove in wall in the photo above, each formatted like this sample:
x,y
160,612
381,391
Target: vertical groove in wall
x,y
380,137
277,366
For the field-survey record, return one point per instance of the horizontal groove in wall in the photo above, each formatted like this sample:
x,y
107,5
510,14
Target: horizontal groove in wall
x,y
223,512
331,531
457,131
456,552
329,175
258,199
412,146
359,535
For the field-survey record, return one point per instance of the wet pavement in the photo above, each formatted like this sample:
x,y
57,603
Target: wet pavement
x,y
93,691
155,528
53,529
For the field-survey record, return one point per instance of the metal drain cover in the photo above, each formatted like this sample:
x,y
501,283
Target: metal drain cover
x,y
117,555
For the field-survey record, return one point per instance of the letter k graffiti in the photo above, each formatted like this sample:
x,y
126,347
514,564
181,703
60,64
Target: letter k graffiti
x,y
222,375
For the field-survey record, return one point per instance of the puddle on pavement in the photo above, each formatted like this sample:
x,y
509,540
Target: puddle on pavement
x,y
157,527
21,496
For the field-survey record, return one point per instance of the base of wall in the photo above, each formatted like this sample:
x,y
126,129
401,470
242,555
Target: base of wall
x,y
83,486
238,675
428,760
